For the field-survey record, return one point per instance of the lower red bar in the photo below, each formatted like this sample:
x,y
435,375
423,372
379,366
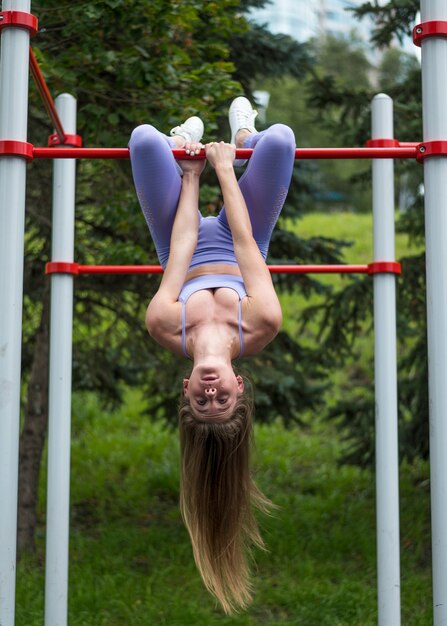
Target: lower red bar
x,y
318,269
120,269
61,267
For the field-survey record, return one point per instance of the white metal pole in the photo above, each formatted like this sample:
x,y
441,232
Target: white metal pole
x,y
434,101
59,418
13,125
387,462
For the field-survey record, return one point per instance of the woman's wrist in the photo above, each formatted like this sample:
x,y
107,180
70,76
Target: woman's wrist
x,y
190,174
191,177
223,169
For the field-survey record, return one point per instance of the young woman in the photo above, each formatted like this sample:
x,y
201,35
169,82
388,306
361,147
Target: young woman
x,y
216,302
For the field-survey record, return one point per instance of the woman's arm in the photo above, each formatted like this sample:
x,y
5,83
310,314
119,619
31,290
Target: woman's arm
x,y
162,315
183,240
183,237
185,228
256,275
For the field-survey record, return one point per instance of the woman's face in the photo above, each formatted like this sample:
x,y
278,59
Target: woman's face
x,y
212,391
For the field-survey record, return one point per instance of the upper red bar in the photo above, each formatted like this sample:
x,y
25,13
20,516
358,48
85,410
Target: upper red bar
x,y
401,152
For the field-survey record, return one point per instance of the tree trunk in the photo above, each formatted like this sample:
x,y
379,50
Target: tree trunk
x,y
33,434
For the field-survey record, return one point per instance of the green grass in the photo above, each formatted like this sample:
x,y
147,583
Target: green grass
x,y
130,558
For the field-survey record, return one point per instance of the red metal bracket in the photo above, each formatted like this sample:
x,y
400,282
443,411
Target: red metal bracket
x,y
9,147
431,148
434,28
19,19
69,140
383,143
384,267
61,267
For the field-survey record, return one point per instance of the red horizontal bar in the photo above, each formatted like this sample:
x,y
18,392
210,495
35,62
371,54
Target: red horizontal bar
x,y
318,269
406,152
61,267
120,269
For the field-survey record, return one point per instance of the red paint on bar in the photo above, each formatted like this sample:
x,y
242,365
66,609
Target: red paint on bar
x,y
406,152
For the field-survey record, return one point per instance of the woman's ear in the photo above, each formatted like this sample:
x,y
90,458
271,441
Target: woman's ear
x,y
185,387
240,384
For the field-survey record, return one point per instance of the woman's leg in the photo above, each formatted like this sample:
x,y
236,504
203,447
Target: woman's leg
x,y
265,182
157,182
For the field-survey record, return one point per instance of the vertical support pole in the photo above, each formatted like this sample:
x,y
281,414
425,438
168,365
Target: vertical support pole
x,y
434,99
59,418
387,461
13,125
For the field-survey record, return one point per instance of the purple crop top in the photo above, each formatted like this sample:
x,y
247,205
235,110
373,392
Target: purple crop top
x,y
212,281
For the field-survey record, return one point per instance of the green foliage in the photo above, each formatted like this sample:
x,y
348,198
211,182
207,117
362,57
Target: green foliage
x,y
259,54
128,62
393,19
345,110
312,106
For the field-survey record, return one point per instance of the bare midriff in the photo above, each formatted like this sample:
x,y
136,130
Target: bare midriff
x,y
213,268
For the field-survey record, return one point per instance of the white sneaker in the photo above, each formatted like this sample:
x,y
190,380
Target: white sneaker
x,y
241,115
191,130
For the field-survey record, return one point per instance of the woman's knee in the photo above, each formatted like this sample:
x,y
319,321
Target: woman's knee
x,y
144,137
281,136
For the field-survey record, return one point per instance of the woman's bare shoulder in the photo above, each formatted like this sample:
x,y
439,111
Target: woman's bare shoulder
x,y
164,323
263,314
260,324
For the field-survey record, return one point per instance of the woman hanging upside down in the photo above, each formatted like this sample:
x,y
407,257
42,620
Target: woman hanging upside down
x,y
216,302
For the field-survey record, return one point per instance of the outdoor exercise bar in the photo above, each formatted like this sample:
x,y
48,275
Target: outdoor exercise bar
x,y
16,25
384,269
399,152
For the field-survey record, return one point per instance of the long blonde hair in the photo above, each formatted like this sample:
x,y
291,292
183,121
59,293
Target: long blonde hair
x,y
217,496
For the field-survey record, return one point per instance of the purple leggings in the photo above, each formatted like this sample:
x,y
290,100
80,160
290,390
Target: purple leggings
x,y
264,185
